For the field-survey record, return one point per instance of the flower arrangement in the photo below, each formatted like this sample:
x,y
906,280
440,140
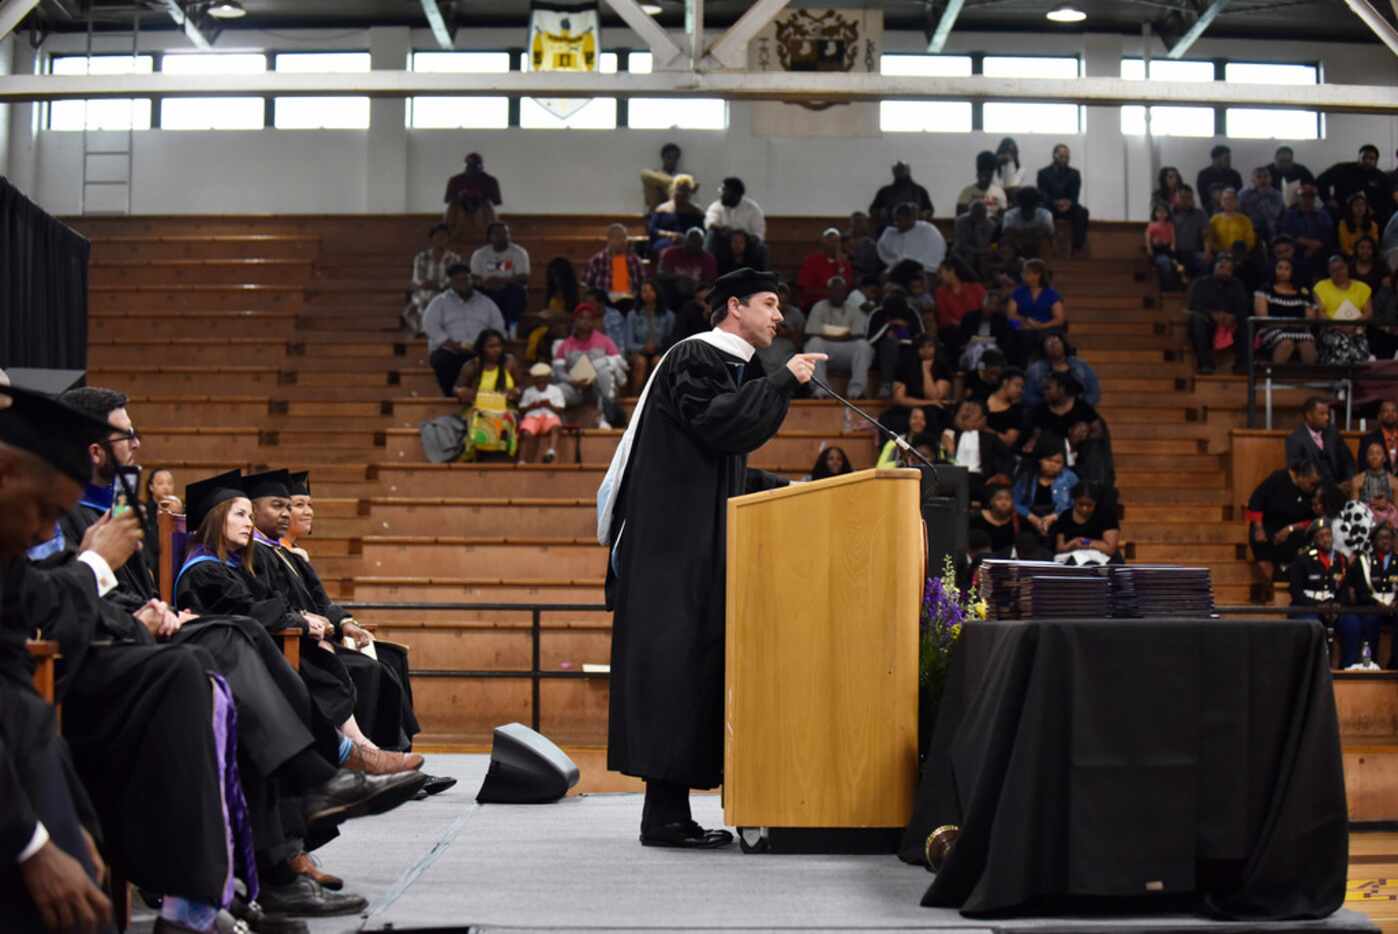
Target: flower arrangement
x,y
945,609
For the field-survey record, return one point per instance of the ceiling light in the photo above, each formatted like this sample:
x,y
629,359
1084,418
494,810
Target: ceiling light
x,y
227,9
651,9
1066,13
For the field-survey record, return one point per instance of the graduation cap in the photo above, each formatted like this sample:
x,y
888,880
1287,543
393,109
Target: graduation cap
x,y
203,495
301,483
740,284
270,483
57,434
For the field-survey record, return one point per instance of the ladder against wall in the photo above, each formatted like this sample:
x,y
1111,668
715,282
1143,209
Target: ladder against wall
x,y
108,152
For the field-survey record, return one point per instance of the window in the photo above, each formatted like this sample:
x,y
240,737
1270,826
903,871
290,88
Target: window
x,y
598,113
925,116
475,113
1267,122
213,113
1168,121
127,114
681,113
1008,117
322,113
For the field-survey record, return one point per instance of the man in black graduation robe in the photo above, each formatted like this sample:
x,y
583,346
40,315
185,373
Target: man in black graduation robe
x,y
662,510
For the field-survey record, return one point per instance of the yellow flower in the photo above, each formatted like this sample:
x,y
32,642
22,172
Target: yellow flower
x,y
956,632
980,609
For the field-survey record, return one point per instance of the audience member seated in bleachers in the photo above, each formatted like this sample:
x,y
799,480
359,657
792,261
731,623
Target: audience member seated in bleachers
x,y
692,317
999,522
1230,231
1088,532
1161,247
909,238
970,443
973,240
892,328
614,269
1344,299
670,221
471,200
541,408
648,329
830,462
923,380
1291,304
655,183
1288,175
1279,512
985,189
1026,230
1375,483
160,497
985,377
909,277
960,305
429,277
1042,492
1385,433
1005,409
1191,236
590,361
821,265
1284,248
1218,303
1216,176
1063,411
453,321
1009,175
1061,187
1312,230
1368,266
613,320
1344,179
891,455
1372,581
1036,309
1060,357
1356,224
1263,204
502,270
861,248
489,386
1317,440
1316,579
903,190
1168,185
735,211
838,326
684,267
552,322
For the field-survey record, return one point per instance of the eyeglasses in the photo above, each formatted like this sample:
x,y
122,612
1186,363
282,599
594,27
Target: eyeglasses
x,y
132,436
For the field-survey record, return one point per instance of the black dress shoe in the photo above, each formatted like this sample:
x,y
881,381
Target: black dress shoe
x,y
436,784
307,898
686,835
354,794
258,921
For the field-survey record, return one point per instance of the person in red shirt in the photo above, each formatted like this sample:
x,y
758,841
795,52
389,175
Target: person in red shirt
x,y
821,266
684,267
960,299
471,199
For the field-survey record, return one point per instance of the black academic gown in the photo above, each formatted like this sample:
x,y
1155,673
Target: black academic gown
x,y
666,580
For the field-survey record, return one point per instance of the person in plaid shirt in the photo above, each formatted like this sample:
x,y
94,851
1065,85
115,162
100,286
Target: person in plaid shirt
x,y
429,277
614,268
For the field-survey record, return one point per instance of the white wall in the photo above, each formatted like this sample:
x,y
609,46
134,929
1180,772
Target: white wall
x,y
390,169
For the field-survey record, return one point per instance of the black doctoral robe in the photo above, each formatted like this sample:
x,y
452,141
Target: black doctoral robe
x,y
665,581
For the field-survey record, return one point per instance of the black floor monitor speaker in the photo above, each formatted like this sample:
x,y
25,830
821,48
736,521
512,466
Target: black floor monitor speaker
x,y
525,768
945,501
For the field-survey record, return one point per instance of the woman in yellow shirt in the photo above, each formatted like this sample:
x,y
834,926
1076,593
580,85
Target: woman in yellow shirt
x,y
1342,298
1230,226
1357,223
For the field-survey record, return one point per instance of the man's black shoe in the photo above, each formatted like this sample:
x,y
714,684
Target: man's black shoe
x,y
686,835
307,898
258,921
436,784
353,794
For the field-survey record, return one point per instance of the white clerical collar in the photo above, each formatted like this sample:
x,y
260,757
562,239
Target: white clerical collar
x,y
731,343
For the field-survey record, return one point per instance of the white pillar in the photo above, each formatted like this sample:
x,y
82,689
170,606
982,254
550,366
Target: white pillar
x,y
18,159
1106,179
386,175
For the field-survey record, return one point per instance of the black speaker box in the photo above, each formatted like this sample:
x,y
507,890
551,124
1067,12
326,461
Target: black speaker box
x,y
525,768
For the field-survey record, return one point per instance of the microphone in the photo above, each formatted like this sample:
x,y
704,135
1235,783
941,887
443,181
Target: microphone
x,y
900,442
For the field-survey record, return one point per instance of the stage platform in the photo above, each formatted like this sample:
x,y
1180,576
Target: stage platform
x,y
448,864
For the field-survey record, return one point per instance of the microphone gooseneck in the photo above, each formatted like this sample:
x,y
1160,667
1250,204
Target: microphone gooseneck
x,y
899,441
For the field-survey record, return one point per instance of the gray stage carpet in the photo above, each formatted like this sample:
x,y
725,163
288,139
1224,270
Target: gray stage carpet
x,y
447,863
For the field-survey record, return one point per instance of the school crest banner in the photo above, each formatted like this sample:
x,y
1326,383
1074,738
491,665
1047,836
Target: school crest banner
x,y
818,40
564,37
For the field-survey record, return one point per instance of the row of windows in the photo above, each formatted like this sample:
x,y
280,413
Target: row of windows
x,y
291,113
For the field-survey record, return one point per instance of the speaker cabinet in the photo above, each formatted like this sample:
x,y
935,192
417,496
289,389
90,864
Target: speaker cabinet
x,y
525,768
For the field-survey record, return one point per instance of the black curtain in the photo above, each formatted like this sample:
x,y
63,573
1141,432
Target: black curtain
x,y
43,287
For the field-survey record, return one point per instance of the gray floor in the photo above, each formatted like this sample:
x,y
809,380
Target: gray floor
x,y
576,866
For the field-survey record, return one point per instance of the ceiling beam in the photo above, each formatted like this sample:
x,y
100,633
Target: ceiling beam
x,y
182,20
440,32
788,86
944,25
1206,18
662,47
694,29
12,12
1375,21
731,49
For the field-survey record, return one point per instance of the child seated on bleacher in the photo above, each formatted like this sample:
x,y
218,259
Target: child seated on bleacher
x,y
541,406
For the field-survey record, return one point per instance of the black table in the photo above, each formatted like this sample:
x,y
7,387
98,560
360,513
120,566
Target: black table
x,y
1173,761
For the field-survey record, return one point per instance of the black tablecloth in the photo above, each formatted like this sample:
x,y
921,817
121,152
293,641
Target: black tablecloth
x,y
1123,757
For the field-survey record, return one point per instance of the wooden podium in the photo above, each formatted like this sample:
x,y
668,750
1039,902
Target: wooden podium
x,y
824,587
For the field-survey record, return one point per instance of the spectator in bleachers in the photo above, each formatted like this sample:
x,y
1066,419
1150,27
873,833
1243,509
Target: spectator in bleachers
x,y
902,191
1284,248
553,321
1318,441
1230,231
648,329
501,269
1284,299
923,380
1357,223
998,520
1313,231
429,277
973,239
160,497
1026,230
615,269
1316,577
656,183
1218,302
1372,581
831,462
1043,491
1375,478
453,321
1385,434
1191,234
742,251
692,317
489,386
1063,410
734,211
685,266
1279,512
1036,308
1168,185
891,455
861,248
791,332
613,320
985,377
821,265
1160,247
911,239
1343,299
1368,267
985,188
892,329
1061,186
1005,409
1344,179
541,408
1008,172
1059,357
1216,176
838,327
1288,175
471,199
589,361
561,285
670,221
910,276
960,302
970,443
1263,204
1087,528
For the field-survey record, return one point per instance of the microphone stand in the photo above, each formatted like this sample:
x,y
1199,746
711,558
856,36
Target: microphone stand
x,y
900,442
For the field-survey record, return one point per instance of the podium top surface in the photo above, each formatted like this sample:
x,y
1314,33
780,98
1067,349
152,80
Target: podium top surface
x,y
873,474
